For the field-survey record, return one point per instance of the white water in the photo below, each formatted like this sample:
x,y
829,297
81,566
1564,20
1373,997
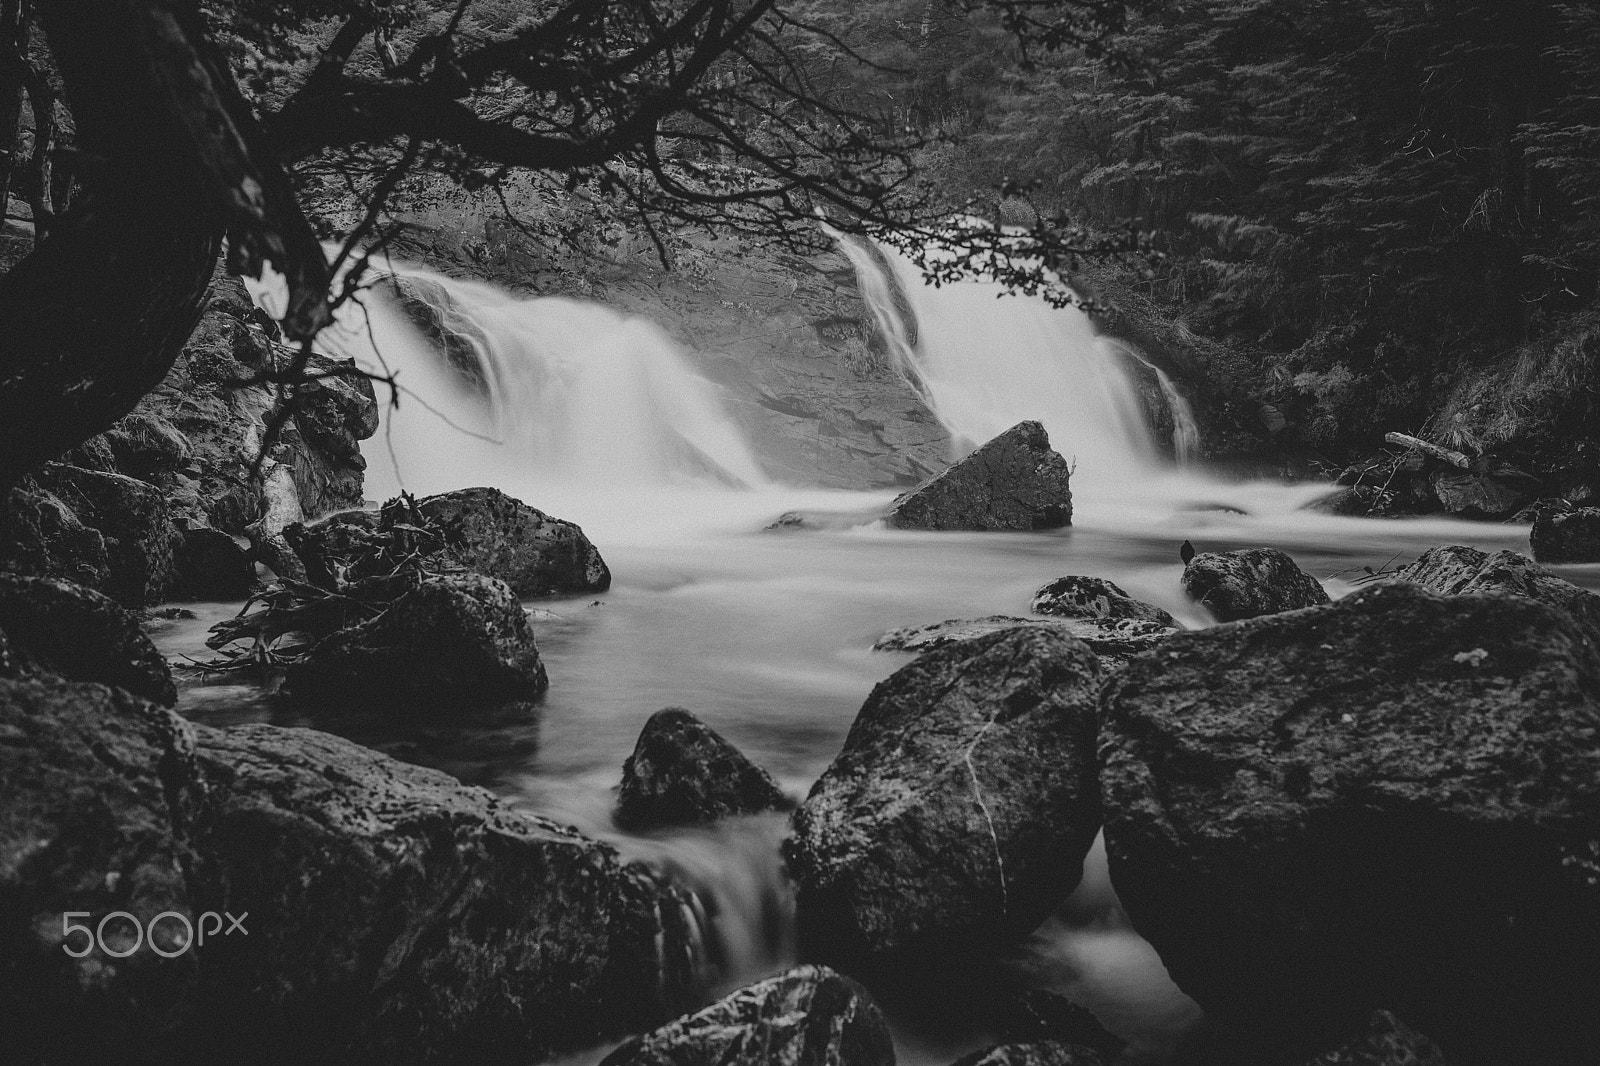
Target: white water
x,y
597,418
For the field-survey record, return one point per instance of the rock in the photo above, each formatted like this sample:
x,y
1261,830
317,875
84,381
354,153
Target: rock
x,y
1455,570
1113,640
1033,1015
1499,492
61,628
1249,583
327,547
807,1016
959,812
41,535
212,566
96,792
143,444
502,537
1573,537
1045,1053
452,640
682,772
1393,800
1094,598
1387,1041
134,519
1013,482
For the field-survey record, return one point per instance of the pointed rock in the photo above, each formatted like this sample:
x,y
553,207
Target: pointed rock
x,y
682,772
1015,481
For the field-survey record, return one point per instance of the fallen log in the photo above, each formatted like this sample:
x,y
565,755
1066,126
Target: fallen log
x,y
1405,440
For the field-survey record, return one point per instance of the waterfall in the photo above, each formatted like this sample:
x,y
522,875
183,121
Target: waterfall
x,y
985,360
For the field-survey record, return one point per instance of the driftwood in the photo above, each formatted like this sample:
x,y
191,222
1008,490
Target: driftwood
x,y
1416,444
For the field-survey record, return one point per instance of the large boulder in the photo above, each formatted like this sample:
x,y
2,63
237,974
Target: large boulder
x,y
41,535
682,772
1015,481
1499,491
1569,537
527,549
453,639
1454,570
57,627
1113,640
961,808
1249,583
136,522
807,1016
1393,801
1095,598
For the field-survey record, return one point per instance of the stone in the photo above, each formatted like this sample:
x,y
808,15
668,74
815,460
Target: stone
x,y
143,444
1573,537
1392,801
1113,640
1094,598
39,534
1499,492
527,549
60,628
454,639
960,810
1249,583
682,772
1454,570
807,1016
211,565
1015,481
134,519
1387,1041
1044,1053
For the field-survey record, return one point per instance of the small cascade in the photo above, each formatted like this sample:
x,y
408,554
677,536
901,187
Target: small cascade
x,y
1173,414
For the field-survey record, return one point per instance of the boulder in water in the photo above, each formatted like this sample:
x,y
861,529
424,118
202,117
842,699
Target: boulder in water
x,y
1095,598
808,1016
1454,570
60,628
1569,537
527,549
1015,481
1394,799
453,639
682,772
961,808
1249,583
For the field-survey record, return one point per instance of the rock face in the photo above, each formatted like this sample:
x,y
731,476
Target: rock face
x,y
1045,1053
1455,570
1013,482
959,812
1113,640
682,772
454,639
809,1016
1394,800
1249,583
389,914
1573,537
65,629
527,549
1094,598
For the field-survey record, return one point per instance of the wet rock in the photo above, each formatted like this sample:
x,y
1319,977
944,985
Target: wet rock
x,y
211,565
1572,537
396,916
1014,481
1044,1053
1498,492
135,521
1249,583
527,549
1391,801
454,639
327,548
959,812
1113,640
1094,598
1387,1041
96,792
143,444
808,1016
682,772
61,628
1454,570
41,535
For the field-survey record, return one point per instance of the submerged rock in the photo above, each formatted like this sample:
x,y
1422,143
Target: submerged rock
x,y
808,1016
1044,1053
1393,800
959,812
1570,537
61,628
682,772
1113,640
1015,481
535,554
1454,570
1095,598
1249,583
453,639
